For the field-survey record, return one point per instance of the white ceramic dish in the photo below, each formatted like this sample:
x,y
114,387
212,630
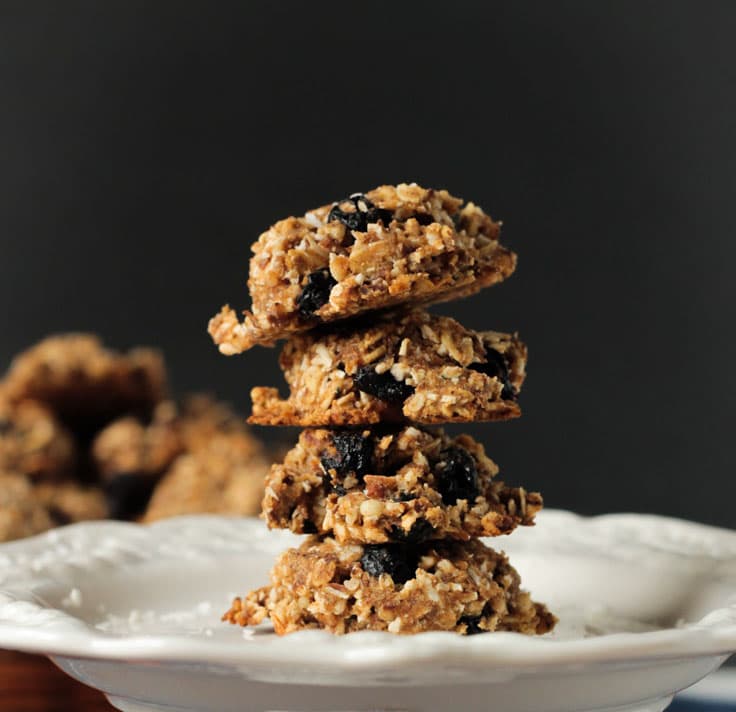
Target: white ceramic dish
x,y
647,607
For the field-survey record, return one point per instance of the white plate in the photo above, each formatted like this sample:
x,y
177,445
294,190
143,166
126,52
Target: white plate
x,y
647,607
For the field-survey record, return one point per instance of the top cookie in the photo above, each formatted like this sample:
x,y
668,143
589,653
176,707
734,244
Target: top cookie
x,y
393,246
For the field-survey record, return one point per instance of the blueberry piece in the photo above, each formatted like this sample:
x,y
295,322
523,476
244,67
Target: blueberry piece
x,y
363,213
496,366
381,385
127,494
420,531
424,218
396,560
309,527
335,487
472,625
316,292
354,454
457,477
5,426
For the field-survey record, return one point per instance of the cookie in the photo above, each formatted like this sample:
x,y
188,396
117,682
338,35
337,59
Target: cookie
x,y
130,456
464,587
225,477
21,512
85,384
33,442
395,245
68,502
203,418
411,366
409,485
131,446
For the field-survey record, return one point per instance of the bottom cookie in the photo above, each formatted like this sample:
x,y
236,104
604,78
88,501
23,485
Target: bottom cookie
x,y
464,587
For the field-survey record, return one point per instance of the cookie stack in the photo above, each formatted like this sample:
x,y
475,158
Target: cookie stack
x,y
393,507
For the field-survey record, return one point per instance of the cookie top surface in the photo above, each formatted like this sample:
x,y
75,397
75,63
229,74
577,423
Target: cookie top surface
x,y
85,384
411,366
379,485
395,245
440,585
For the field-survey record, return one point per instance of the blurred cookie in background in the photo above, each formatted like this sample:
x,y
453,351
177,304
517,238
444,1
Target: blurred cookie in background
x,y
90,433
21,512
69,502
33,442
131,456
84,383
224,477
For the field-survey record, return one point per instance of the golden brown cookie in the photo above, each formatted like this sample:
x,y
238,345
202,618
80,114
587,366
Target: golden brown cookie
x,y
33,442
85,384
68,502
131,446
464,587
395,245
223,477
131,456
407,485
409,366
21,511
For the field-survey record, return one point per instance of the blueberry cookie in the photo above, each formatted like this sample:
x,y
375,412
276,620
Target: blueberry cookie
x,y
409,485
33,442
85,384
411,366
464,587
394,245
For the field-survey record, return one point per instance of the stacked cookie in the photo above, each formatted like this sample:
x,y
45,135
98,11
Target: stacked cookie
x,y
393,507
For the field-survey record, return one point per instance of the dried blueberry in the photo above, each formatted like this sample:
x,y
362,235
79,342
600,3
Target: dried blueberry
x,y
381,385
363,213
316,292
127,494
354,454
472,625
309,527
397,560
420,531
457,476
335,487
424,218
497,367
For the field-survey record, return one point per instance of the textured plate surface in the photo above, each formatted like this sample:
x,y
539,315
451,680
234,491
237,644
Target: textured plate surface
x,y
634,593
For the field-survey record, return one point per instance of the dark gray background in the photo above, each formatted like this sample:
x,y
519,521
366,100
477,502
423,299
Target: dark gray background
x,y
144,146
